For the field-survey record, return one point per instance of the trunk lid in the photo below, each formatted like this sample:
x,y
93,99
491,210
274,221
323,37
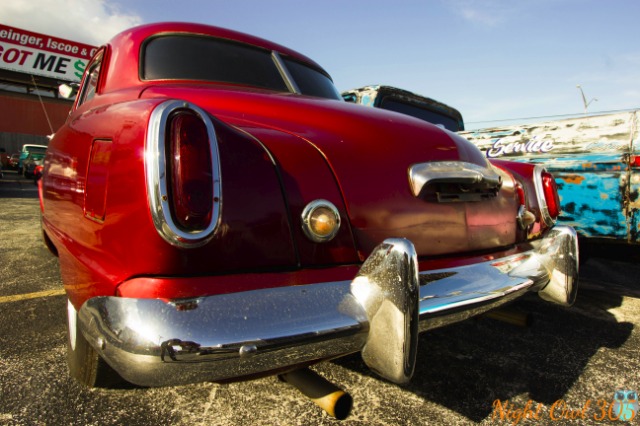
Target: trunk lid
x,y
371,153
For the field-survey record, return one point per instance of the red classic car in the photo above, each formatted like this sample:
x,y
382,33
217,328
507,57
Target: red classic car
x,y
219,212
13,161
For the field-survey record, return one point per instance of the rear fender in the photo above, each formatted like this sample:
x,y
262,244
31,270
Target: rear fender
x,y
94,243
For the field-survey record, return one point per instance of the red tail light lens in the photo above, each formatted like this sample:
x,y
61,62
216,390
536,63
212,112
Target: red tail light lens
x,y
550,190
190,172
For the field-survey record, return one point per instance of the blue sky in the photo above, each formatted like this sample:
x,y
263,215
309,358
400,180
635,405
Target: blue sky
x,y
491,59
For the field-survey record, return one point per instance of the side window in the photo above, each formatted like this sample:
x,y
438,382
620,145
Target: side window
x,y
310,81
90,84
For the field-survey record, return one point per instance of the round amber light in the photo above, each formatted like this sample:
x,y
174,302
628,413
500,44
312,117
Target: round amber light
x,y
320,220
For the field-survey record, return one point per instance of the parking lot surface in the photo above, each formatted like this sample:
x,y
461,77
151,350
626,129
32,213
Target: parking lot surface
x,y
562,369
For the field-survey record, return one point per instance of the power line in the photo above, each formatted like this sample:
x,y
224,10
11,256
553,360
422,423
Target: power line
x,y
42,104
577,114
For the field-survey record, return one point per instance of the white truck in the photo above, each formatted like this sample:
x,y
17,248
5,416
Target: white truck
x,y
595,160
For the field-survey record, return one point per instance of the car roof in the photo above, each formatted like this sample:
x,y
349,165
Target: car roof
x,y
123,66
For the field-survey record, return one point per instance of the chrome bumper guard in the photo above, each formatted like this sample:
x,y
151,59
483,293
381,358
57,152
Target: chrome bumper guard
x,y
380,313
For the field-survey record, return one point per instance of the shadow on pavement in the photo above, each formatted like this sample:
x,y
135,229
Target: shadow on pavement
x,y
466,367
13,185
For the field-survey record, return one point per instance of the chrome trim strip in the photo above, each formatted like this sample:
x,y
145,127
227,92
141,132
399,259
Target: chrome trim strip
x,y
460,172
284,72
153,343
542,201
156,174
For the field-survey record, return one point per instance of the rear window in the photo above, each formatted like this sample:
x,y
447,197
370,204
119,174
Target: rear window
x,y
34,149
433,117
194,57
180,57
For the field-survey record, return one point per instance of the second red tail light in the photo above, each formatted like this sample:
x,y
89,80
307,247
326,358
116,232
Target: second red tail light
x,y
550,189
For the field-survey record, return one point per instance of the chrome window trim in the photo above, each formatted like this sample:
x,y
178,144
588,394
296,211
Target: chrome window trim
x,y
284,72
542,201
81,96
155,159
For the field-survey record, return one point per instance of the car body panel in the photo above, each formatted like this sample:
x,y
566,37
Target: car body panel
x,y
252,222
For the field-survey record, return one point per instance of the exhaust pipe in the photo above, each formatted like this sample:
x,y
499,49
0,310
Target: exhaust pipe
x,y
336,402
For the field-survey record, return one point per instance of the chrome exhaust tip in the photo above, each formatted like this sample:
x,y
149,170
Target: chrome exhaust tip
x,y
335,401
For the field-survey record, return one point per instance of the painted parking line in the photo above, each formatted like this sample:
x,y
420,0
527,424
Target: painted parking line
x,y
36,295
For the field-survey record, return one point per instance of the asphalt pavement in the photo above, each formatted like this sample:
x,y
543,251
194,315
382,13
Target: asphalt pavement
x,y
562,369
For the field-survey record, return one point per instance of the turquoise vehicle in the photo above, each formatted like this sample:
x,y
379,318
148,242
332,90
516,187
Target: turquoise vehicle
x,y
409,103
28,149
596,162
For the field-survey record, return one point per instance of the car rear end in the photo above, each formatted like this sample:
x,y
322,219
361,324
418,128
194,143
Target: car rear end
x,y
216,230
371,253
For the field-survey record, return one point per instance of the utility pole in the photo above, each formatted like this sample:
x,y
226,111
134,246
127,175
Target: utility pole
x,y
584,99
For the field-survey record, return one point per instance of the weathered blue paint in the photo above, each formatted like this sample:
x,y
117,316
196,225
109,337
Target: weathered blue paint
x,y
592,160
592,203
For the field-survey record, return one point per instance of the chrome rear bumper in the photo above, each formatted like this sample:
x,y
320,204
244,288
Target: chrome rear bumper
x,y
379,313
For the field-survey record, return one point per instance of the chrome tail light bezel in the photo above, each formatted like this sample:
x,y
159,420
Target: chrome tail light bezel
x,y
156,170
540,194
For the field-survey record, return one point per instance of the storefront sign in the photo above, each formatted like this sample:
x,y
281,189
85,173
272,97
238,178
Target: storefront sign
x,y
39,54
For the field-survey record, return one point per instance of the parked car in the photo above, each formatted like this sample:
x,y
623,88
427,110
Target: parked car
x,y
220,213
24,154
33,160
4,158
406,102
14,160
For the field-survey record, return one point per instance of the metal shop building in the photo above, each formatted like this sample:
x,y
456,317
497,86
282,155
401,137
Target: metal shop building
x,y
32,66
